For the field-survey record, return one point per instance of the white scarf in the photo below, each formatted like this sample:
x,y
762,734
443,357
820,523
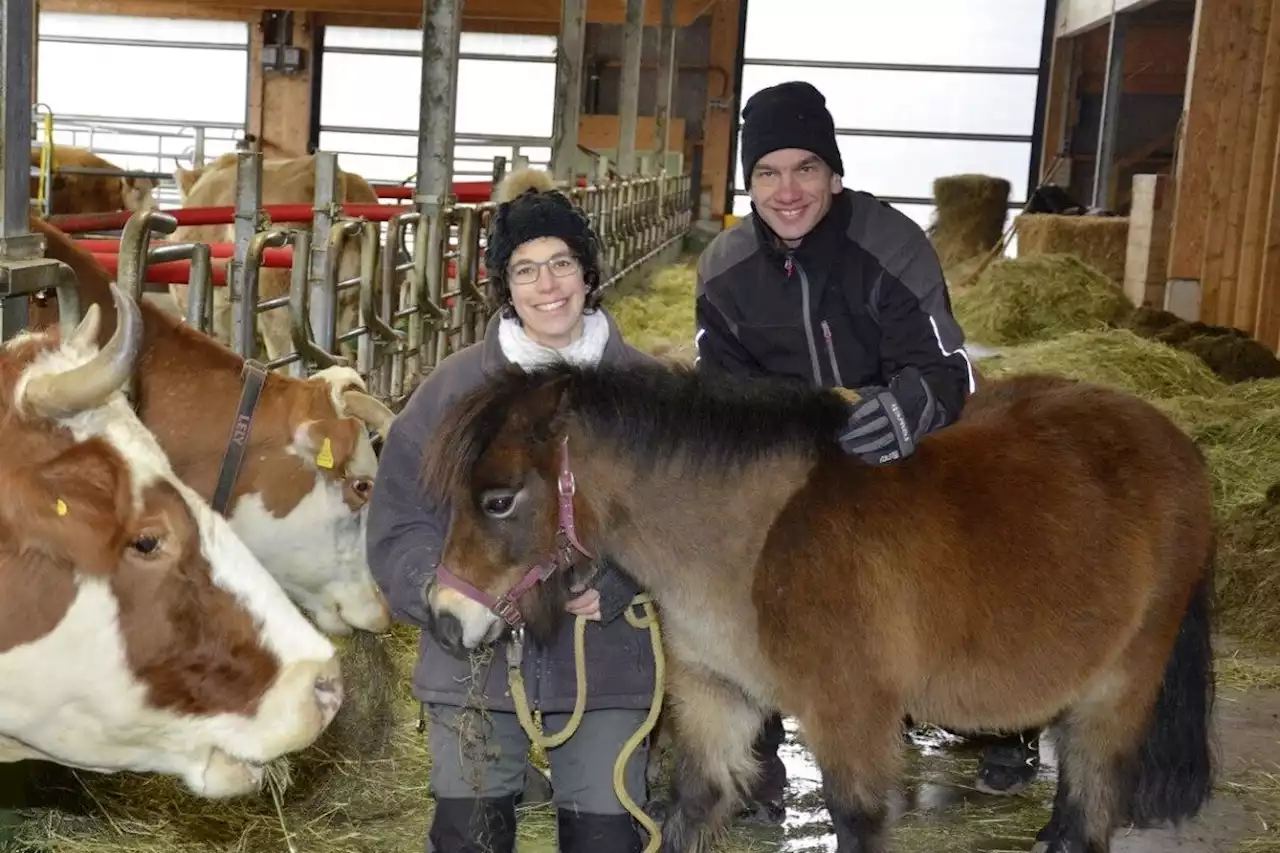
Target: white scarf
x,y
520,349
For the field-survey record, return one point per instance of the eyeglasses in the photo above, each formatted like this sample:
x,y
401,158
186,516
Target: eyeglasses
x,y
561,266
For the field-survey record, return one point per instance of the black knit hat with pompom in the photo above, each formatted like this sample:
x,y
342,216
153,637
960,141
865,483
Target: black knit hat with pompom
x,y
530,207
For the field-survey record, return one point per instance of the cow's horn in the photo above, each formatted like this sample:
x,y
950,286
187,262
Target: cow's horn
x,y
369,409
89,385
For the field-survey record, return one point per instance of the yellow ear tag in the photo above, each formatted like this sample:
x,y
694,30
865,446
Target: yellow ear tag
x,y
60,507
325,457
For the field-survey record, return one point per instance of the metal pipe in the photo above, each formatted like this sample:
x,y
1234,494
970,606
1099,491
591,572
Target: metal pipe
x,y
243,299
629,86
324,309
1108,122
16,241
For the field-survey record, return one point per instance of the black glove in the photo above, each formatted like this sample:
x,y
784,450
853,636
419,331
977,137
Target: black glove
x,y
877,429
616,590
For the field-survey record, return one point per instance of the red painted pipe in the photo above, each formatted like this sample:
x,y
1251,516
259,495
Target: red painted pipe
x,y
179,272
279,213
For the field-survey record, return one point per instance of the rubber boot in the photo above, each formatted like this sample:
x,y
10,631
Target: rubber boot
x,y
765,807
473,826
579,832
1009,765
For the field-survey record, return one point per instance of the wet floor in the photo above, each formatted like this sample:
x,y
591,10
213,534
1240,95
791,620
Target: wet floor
x,y
938,810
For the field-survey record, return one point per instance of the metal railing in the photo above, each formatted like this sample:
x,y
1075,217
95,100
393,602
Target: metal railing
x,y
421,293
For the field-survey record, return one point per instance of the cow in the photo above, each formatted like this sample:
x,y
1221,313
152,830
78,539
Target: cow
x,y
91,193
301,491
285,180
137,631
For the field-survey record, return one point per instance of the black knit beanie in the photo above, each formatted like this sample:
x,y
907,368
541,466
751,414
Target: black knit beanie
x,y
788,115
530,207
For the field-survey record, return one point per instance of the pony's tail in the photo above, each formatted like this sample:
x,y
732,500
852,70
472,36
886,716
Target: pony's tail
x,y
1174,771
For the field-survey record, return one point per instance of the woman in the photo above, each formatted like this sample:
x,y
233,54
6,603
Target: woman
x,y
543,260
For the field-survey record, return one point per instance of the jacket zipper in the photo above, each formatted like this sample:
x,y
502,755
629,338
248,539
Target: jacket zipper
x,y
808,326
831,354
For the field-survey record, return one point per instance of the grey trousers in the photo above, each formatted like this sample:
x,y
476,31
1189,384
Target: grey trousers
x,y
483,755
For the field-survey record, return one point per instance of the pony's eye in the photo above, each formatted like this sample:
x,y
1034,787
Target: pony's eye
x,y
497,504
145,545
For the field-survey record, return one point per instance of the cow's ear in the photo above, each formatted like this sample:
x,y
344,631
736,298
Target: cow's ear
x,y
72,507
329,443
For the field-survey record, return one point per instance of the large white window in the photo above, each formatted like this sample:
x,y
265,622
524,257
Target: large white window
x,y
369,101
918,89
143,92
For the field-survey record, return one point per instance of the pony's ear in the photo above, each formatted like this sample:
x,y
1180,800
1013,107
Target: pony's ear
x,y
549,409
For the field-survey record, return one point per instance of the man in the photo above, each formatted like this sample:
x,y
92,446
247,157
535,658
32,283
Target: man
x,y
833,287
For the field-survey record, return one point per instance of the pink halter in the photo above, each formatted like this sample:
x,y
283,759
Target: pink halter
x,y
561,558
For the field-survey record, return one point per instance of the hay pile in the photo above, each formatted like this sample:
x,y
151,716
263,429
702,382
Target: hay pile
x,y
1037,298
657,317
361,789
1248,579
1100,241
970,218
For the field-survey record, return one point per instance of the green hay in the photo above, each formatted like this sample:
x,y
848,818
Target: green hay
x,y
970,218
1249,571
1113,357
1021,300
658,318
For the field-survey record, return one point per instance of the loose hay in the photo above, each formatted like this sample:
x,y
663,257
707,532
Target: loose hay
x,y
1024,299
1100,241
1249,571
970,218
361,789
658,318
1113,357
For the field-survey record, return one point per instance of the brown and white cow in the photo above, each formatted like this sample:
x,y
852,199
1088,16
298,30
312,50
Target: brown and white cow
x,y
301,493
285,180
74,193
137,631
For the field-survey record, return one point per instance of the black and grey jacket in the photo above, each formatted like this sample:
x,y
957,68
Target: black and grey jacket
x,y
862,301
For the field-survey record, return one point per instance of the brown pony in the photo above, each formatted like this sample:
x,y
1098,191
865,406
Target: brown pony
x,y
793,577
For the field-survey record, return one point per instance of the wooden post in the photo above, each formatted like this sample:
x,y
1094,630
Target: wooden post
x,y
1261,185
629,84
1148,248
279,106
1209,78
568,100
1229,174
721,123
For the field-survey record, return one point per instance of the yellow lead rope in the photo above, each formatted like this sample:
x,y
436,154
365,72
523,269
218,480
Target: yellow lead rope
x,y
515,679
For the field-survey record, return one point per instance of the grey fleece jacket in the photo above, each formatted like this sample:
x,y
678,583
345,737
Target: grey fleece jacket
x,y
406,535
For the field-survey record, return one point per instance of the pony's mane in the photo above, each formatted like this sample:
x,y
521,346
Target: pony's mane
x,y
650,412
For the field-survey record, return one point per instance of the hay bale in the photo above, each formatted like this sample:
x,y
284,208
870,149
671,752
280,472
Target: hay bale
x,y
1100,241
1020,300
970,218
657,318
1113,357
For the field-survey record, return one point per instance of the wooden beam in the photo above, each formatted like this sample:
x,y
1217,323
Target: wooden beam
x,y
475,12
719,125
1267,313
1261,181
1230,145
279,105
1207,81
1078,16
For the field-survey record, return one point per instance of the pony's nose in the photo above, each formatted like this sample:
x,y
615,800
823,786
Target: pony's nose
x,y
448,633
